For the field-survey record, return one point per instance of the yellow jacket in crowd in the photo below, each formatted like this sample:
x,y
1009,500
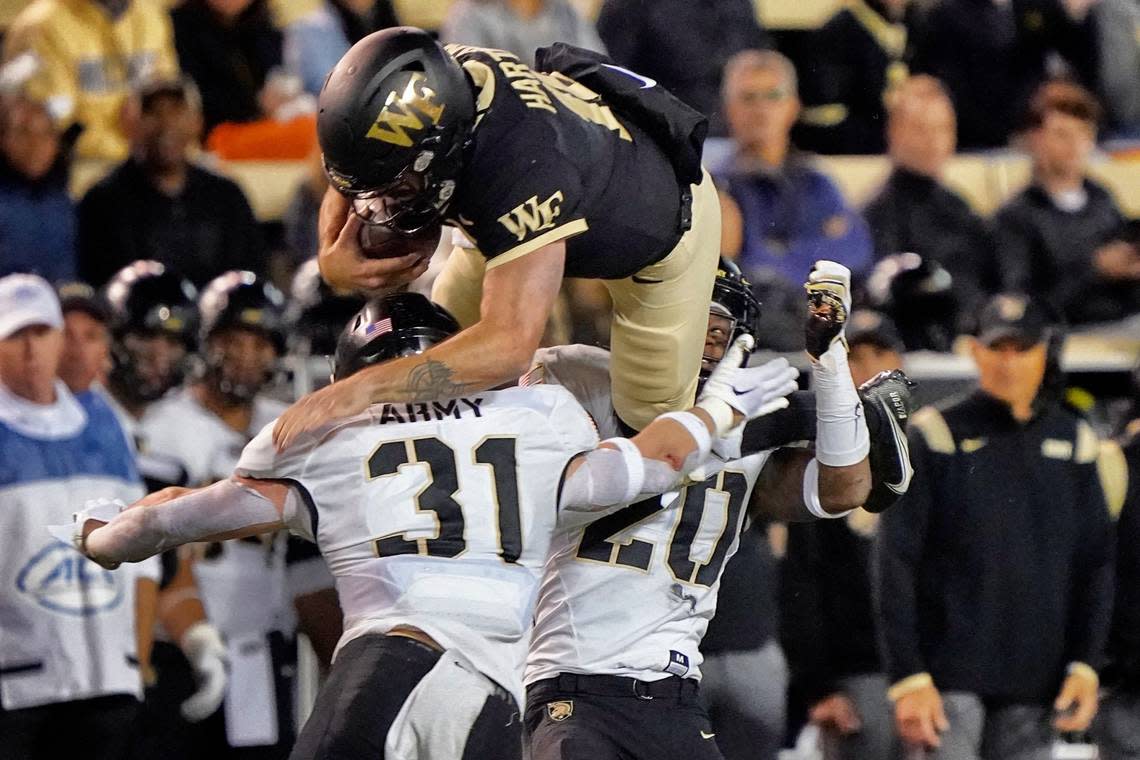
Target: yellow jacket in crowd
x,y
89,60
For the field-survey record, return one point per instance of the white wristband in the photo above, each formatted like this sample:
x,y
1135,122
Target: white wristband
x,y
811,494
696,427
841,437
723,415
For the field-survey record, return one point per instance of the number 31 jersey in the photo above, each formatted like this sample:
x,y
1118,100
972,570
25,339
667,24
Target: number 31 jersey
x,y
437,515
632,593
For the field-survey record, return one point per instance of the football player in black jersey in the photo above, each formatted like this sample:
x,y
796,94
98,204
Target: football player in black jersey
x,y
547,178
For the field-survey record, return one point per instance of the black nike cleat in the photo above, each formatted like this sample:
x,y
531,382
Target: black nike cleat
x,y
888,404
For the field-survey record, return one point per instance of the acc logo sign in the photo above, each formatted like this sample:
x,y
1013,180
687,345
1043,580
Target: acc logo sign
x,y
61,580
406,112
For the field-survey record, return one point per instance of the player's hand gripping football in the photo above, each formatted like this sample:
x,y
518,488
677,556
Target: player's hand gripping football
x,y
734,393
343,263
829,304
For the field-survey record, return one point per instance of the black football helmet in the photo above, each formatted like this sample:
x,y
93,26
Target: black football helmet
x,y
239,300
388,327
146,299
732,298
316,315
394,120
918,295
242,299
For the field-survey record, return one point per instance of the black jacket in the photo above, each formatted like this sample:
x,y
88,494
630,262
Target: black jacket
x,y
996,567
1124,639
856,57
229,63
683,44
992,56
828,622
1045,250
915,213
207,229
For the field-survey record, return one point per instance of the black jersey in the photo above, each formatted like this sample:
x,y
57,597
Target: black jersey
x,y
551,161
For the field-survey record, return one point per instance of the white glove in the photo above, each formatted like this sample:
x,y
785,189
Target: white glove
x,y
203,647
829,305
749,391
103,510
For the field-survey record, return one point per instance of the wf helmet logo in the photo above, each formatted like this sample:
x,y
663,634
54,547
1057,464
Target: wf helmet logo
x,y
61,580
406,112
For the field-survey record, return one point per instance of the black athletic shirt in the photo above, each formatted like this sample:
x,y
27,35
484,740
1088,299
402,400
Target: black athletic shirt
x,y
550,161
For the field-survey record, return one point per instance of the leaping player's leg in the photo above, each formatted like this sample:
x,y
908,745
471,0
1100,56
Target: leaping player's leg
x,y
661,317
459,287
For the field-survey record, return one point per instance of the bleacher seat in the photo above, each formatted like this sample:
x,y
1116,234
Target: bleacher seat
x,y
269,185
795,14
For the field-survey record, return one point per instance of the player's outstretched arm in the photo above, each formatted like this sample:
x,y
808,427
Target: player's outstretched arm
x,y
517,299
111,533
623,470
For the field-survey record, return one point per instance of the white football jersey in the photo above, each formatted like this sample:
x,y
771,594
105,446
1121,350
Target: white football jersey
x,y
438,515
631,594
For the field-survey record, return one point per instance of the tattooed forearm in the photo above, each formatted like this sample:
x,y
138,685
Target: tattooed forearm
x,y
433,379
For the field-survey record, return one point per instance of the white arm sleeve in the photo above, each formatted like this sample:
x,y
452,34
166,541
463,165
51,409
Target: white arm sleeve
x,y
621,475
138,533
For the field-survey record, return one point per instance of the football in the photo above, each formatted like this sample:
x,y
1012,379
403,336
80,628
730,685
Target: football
x,y
379,242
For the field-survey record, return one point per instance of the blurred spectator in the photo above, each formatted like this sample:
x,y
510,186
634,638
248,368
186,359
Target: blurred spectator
x,y
1060,236
683,44
37,219
229,48
518,26
86,358
744,674
826,587
857,58
1118,68
316,41
300,218
918,295
158,205
996,567
915,211
71,637
874,344
1117,729
993,54
782,214
88,55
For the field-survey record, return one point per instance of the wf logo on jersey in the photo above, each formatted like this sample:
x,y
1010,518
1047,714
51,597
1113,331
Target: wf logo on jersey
x,y
530,216
59,579
406,112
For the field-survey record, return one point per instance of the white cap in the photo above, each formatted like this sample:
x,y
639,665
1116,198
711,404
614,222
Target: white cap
x,y
26,299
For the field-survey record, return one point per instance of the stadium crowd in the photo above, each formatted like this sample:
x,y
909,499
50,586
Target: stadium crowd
x,y
153,324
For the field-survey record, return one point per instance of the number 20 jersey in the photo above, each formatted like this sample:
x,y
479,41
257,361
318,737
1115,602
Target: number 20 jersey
x,y
632,593
437,515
